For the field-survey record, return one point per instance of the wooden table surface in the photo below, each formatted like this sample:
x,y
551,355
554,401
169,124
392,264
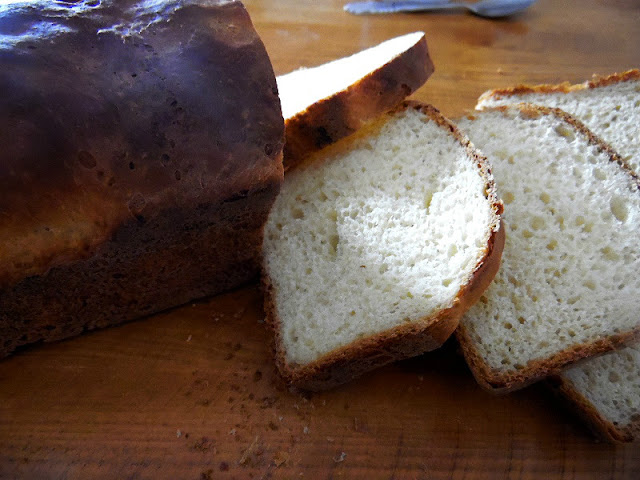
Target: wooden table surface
x,y
192,393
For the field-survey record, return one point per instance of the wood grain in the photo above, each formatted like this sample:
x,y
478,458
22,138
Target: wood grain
x,y
192,393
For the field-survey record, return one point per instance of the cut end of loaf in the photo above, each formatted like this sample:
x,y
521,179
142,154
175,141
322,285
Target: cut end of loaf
x,y
305,87
373,244
326,103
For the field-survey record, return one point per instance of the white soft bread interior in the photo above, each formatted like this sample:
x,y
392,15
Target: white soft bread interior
x,y
331,101
609,106
376,245
606,391
568,287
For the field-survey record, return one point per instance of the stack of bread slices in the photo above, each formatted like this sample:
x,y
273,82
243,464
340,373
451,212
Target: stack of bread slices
x,y
517,229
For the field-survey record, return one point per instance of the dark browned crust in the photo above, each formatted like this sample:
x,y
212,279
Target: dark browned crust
x,y
600,426
137,167
500,382
565,87
404,341
344,112
145,268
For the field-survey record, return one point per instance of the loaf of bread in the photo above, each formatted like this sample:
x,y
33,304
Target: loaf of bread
x,y
141,153
568,285
376,245
326,103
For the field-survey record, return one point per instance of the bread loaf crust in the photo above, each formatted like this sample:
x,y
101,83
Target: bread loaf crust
x,y
565,87
403,341
341,114
500,382
142,147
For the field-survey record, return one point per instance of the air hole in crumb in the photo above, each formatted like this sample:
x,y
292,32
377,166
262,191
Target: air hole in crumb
x,y
565,132
619,208
545,197
333,242
508,197
537,223
447,281
297,213
427,200
609,254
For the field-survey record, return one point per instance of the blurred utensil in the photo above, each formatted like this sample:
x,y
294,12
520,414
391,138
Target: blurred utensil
x,y
483,8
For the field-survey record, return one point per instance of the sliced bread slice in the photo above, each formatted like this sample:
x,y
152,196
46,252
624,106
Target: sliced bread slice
x,y
609,106
325,103
606,392
568,287
376,245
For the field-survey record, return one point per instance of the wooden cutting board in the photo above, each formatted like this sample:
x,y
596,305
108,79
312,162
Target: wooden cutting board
x,y
192,393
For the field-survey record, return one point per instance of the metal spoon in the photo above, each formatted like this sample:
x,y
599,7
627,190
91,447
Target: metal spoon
x,y
483,8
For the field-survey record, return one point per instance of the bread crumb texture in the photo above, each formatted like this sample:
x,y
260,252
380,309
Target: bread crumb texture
x,y
569,273
381,229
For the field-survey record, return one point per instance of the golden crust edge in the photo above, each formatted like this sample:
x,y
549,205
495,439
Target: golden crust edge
x,y
564,87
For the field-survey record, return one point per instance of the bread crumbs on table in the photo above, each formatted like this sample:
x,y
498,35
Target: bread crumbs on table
x,y
280,458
